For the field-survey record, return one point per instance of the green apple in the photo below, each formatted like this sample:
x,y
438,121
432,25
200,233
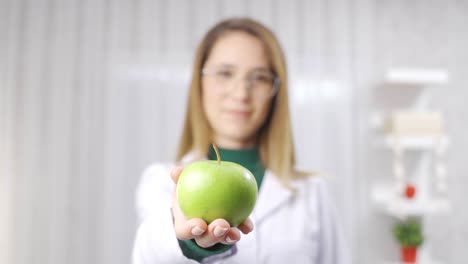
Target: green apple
x,y
217,189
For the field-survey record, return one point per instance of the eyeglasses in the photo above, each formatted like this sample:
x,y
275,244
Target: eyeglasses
x,y
259,83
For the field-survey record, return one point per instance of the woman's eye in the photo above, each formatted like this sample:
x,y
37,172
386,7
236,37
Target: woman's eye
x,y
224,74
263,78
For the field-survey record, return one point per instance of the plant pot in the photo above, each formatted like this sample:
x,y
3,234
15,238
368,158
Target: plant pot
x,y
409,254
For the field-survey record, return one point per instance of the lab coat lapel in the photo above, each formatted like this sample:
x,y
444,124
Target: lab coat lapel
x,y
272,195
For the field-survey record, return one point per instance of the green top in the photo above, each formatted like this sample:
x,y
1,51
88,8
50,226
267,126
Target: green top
x,y
250,159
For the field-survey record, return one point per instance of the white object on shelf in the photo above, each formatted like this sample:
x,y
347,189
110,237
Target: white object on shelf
x,y
392,203
407,122
415,123
416,142
416,76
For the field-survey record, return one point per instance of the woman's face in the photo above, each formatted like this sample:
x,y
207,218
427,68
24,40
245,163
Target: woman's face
x,y
236,89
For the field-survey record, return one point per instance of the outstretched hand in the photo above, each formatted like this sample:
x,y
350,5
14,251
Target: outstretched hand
x,y
218,231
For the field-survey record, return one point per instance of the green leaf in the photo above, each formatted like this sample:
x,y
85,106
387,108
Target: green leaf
x,y
408,233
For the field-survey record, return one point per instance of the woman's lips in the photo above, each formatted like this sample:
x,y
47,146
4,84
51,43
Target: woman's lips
x,y
238,113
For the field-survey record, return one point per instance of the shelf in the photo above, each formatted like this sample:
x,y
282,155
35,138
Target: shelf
x,y
393,204
419,262
414,142
416,76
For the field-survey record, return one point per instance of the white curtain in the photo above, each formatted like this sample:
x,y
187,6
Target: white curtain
x,y
93,91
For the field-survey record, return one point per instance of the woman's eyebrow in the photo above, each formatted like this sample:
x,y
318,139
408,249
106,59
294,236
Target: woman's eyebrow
x,y
261,69
226,66
235,67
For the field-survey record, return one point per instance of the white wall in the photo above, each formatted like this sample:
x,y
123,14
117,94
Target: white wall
x,y
420,34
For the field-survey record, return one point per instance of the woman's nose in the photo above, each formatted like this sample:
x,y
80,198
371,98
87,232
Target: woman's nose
x,y
240,88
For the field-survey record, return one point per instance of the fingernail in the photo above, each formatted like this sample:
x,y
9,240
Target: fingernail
x,y
220,231
249,223
196,231
229,240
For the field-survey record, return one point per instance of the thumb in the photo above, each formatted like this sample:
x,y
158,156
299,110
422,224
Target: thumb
x,y
175,173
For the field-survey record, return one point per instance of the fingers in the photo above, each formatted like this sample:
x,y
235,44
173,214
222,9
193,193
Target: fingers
x,y
190,229
232,236
219,231
247,226
175,173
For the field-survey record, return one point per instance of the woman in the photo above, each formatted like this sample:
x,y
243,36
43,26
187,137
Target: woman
x,y
239,100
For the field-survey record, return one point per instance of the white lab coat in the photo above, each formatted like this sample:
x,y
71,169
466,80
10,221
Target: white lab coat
x,y
288,227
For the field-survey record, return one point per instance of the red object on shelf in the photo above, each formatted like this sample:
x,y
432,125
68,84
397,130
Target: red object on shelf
x,y
409,254
410,191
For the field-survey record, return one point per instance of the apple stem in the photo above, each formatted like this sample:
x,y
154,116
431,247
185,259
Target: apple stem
x,y
217,153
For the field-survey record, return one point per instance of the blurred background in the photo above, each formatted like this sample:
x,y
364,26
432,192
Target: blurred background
x,y
93,91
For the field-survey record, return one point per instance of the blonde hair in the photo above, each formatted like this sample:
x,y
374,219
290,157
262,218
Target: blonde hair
x,y
276,140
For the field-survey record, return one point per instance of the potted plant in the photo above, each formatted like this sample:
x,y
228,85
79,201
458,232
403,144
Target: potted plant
x,y
409,235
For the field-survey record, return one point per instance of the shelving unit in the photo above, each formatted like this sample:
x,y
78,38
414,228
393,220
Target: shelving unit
x,y
427,142
416,76
388,201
